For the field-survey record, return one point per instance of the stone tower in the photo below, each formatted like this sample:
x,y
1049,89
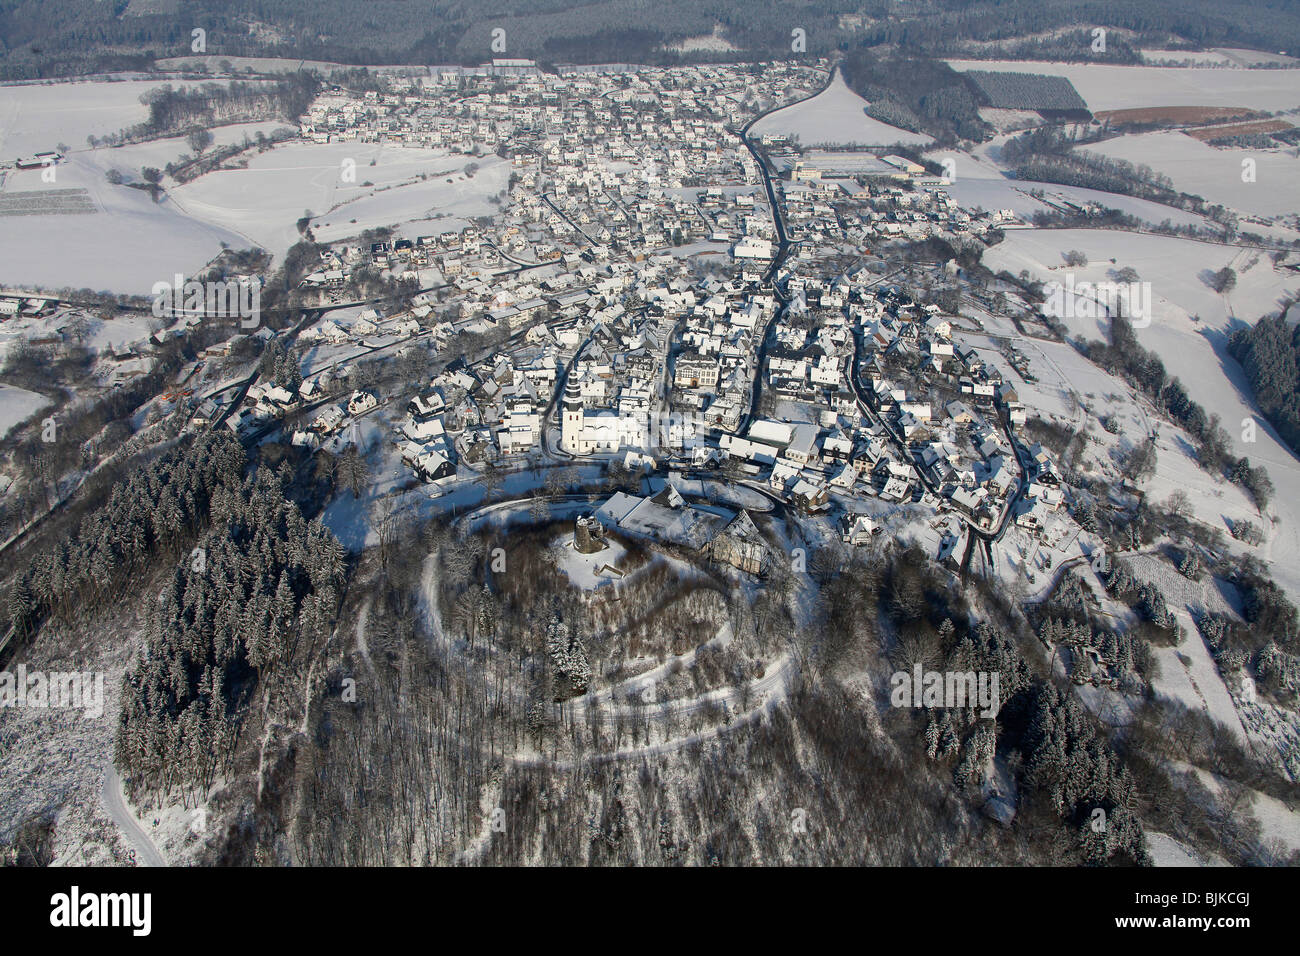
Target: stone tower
x,y
588,535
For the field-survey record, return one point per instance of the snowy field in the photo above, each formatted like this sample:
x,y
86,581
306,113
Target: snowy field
x,y
1277,822
37,117
1061,370
34,118
264,201
1005,120
1219,56
1108,87
713,42
126,245
982,180
1194,351
1193,57
1166,851
451,199
1215,174
17,405
835,117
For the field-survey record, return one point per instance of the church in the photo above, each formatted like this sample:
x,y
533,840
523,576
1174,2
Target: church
x,y
586,432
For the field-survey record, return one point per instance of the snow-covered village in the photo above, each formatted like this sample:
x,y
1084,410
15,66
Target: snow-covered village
x,y
647,446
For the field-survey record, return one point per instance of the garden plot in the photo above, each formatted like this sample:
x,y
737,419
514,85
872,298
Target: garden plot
x,y
835,117
1109,87
1193,349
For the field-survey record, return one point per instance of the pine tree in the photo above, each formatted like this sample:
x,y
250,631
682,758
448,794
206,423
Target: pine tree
x,y
22,605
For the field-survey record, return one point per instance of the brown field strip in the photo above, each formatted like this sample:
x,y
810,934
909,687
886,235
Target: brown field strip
x,y
1207,133
1175,115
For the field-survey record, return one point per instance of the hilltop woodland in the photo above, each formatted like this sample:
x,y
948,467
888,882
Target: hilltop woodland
x,y
916,94
40,40
455,742
439,721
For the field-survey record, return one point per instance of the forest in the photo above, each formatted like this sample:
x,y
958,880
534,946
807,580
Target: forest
x,y
241,611
77,37
916,93
1269,351
437,758
246,614
1027,91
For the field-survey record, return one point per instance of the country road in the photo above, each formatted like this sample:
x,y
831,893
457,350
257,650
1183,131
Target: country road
x,y
146,854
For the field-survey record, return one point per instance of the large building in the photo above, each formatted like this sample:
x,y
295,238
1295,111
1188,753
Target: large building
x,y
587,432
696,371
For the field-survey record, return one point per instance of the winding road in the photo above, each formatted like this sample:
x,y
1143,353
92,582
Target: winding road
x,y
146,854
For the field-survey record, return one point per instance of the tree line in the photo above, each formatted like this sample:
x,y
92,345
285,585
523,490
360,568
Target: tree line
x,y
149,514
1145,369
1049,155
187,109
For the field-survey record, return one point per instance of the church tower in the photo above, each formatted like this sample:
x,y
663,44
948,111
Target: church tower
x,y
571,417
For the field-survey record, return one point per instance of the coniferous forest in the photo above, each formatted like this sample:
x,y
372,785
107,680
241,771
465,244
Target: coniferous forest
x,y
1269,351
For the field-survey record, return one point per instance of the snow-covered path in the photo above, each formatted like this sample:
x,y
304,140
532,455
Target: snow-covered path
x,y
638,684
115,803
